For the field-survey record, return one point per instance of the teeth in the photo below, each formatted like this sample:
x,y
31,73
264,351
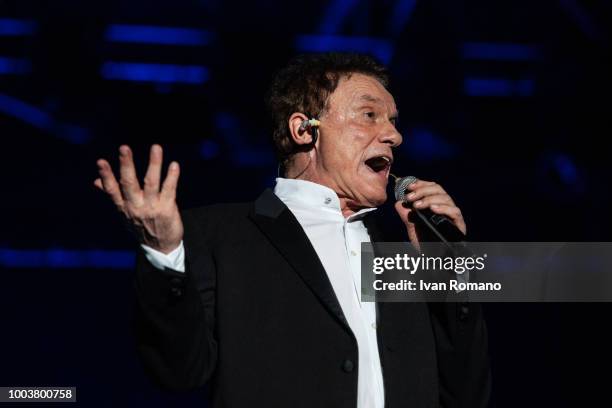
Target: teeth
x,y
379,163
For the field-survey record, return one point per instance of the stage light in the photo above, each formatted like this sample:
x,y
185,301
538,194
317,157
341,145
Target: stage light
x,y
63,258
474,86
158,35
500,51
12,27
14,66
378,47
160,73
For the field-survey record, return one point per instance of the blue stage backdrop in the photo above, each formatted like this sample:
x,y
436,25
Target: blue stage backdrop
x,y
502,99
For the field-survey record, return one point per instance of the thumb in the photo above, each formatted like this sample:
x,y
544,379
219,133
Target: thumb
x,y
404,212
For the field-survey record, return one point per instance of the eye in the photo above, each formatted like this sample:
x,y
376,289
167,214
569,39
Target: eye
x,y
370,115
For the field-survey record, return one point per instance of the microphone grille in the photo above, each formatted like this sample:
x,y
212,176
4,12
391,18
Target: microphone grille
x,y
401,184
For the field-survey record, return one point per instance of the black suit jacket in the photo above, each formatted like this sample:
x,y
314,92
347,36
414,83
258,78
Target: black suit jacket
x,y
255,316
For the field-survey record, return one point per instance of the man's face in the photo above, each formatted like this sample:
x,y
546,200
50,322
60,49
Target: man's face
x,y
357,133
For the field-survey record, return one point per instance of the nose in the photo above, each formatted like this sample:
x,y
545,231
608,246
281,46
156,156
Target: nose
x,y
390,135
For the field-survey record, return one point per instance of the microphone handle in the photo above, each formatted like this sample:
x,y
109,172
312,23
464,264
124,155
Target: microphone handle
x,y
437,227
431,227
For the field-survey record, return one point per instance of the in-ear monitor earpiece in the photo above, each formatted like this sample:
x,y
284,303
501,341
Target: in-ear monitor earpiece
x,y
312,125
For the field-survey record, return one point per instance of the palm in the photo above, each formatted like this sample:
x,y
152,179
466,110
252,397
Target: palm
x,y
151,211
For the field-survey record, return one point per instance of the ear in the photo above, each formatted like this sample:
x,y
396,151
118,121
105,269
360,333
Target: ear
x,y
299,136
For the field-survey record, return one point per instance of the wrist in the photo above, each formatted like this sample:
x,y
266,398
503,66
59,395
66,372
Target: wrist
x,y
163,247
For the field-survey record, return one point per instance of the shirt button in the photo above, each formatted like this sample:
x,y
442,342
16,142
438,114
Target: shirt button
x,y
327,200
348,366
353,253
463,312
374,326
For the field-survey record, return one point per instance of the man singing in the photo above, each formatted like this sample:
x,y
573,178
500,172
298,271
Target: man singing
x,y
261,300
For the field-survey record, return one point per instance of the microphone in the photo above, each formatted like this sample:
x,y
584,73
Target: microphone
x,y
432,226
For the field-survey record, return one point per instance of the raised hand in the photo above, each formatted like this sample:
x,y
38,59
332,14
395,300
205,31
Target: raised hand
x,y
427,194
151,212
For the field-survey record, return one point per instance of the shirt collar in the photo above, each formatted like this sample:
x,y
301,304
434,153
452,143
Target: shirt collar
x,y
312,196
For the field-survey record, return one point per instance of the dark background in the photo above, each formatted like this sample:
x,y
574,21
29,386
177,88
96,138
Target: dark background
x,y
504,103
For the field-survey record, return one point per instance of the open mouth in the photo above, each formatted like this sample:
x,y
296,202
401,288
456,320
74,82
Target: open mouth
x,y
379,164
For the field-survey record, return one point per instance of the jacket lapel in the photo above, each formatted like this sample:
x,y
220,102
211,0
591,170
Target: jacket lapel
x,y
283,230
373,225
382,226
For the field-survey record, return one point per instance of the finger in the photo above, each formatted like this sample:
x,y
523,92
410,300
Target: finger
x,y
129,181
98,184
425,191
404,213
419,183
452,212
441,199
169,187
109,182
151,180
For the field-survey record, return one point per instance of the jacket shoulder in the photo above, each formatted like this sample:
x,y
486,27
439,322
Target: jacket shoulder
x,y
215,221
218,210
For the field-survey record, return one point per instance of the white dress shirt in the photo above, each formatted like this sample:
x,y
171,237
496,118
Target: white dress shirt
x,y
337,242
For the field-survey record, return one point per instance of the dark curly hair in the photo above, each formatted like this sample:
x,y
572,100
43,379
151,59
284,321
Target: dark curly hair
x,y
305,85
